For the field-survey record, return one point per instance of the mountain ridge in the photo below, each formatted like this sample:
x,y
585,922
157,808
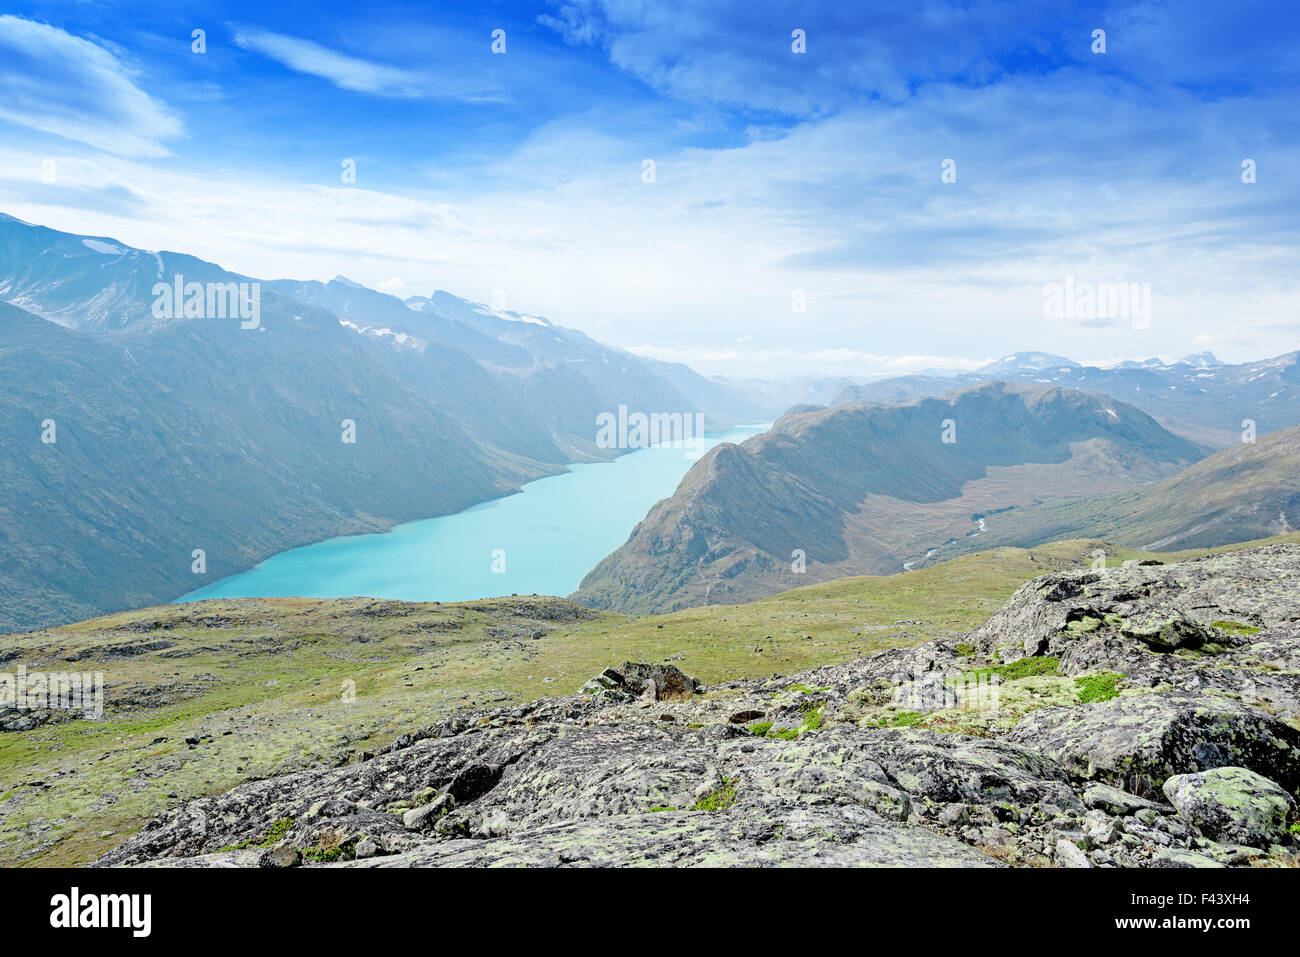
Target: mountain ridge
x,y
839,489
184,434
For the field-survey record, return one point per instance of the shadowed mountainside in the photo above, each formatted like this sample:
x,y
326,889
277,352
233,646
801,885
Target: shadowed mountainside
x,y
184,433
859,489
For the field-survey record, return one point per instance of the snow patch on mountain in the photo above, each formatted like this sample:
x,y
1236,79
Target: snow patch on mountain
x,y
103,248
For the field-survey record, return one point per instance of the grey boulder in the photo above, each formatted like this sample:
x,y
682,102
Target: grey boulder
x,y
1233,805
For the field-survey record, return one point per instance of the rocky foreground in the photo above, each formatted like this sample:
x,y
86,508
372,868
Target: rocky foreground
x,y
1133,717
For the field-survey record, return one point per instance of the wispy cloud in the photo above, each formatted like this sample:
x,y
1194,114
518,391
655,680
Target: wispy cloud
x,y
62,84
346,72
450,78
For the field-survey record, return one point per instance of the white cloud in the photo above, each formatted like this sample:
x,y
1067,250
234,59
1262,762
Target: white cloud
x,y
346,72
57,83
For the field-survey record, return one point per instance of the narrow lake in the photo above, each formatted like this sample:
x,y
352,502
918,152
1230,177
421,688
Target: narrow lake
x,y
547,537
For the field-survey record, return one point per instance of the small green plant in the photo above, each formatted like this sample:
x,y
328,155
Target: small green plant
x,y
965,649
1234,627
1100,687
320,855
760,728
274,833
905,719
719,799
662,807
805,689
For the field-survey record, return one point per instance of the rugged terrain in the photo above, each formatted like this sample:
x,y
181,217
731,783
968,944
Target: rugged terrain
x,y
863,489
1140,714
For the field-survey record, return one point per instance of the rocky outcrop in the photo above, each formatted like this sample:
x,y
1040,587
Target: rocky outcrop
x,y
641,680
1225,623
1234,805
1141,741
1017,746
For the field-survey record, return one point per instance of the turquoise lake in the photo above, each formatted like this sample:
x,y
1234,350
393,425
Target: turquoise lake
x,y
552,533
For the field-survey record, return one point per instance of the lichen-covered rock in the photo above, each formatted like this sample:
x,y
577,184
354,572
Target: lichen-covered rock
x,y
1165,628
1144,739
1068,854
637,679
1234,805
1134,676
1103,797
1228,622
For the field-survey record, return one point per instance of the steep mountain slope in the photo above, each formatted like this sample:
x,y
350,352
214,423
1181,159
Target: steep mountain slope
x,y
1197,397
857,489
442,345
1248,492
174,434
201,435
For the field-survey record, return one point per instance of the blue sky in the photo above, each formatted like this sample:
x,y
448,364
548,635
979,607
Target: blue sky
x,y
778,175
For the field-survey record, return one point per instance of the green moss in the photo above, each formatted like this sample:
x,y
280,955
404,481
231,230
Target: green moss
x,y
321,855
318,856
812,721
1234,627
662,807
905,719
1083,626
1023,668
1100,687
719,799
965,649
274,834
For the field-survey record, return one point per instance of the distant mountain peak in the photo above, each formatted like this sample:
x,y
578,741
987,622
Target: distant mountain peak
x,y
1027,362
345,281
1201,360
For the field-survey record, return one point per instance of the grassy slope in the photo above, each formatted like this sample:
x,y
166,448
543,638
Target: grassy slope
x,y
259,680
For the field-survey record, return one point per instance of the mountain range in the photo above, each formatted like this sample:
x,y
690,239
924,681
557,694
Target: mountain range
x,y
1197,397
146,453
858,489
172,435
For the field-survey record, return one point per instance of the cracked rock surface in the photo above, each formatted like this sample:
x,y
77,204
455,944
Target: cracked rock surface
x,y
1141,716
